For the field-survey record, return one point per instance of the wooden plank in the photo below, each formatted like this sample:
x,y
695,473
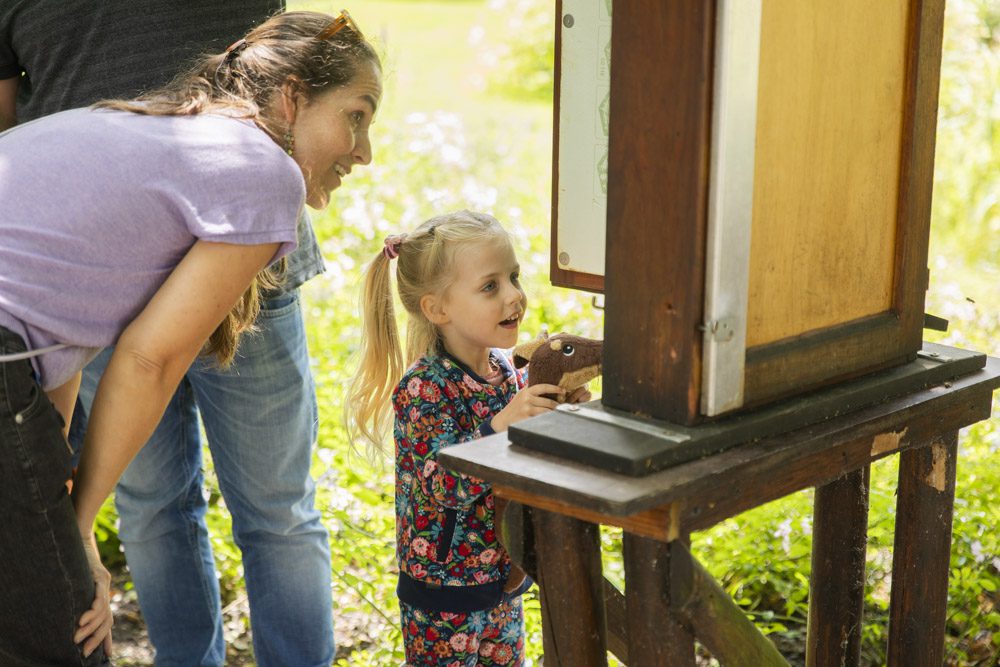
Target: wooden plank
x,y
712,488
829,118
517,533
756,485
617,621
597,435
920,559
702,605
837,582
659,523
923,66
657,205
793,366
572,591
655,637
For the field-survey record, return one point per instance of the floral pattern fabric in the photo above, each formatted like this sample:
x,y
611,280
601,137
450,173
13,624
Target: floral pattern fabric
x,y
474,639
445,532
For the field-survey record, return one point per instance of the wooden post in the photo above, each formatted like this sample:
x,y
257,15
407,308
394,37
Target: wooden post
x,y
572,591
655,638
657,202
721,625
921,554
837,586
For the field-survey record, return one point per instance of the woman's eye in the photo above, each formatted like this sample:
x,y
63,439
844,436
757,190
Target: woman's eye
x,y
357,117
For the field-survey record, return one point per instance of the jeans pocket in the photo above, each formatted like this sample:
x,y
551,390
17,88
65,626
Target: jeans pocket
x,y
279,304
30,405
40,459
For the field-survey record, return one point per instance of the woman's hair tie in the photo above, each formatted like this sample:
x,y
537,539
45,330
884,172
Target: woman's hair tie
x,y
391,247
235,49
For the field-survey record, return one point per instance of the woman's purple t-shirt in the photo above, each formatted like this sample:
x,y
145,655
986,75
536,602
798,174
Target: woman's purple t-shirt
x,y
97,207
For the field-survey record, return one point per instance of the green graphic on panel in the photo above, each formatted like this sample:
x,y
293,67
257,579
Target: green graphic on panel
x,y
605,110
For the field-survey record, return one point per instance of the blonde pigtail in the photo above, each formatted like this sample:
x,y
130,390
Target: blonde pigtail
x,y
369,396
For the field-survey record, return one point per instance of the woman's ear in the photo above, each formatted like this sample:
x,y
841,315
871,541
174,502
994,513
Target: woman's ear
x,y
433,309
291,97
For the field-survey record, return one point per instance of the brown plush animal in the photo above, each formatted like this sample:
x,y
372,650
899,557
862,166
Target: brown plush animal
x,y
561,359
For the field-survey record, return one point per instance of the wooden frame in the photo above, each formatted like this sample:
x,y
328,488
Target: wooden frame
x,y
657,210
669,599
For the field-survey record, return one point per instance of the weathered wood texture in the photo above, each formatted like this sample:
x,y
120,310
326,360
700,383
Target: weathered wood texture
x,y
657,201
719,623
655,638
572,587
844,350
617,621
826,164
714,488
920,557
596,435
837,583
657,204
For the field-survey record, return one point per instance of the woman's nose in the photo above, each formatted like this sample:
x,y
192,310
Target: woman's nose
x,y
362,149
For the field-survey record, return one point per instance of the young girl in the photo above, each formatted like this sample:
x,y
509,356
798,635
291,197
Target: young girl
x,y
457,277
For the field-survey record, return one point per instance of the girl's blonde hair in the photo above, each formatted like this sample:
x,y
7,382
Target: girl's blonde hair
x,y
245,81
425,265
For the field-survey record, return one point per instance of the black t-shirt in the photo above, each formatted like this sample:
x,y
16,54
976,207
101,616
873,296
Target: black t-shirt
x,y
75,52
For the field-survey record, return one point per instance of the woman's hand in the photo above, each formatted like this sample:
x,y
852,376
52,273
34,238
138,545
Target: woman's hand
x,y
96,622
528,402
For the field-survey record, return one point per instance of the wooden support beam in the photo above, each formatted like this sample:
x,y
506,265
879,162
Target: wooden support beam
x,y
921,554
659,523
617,621
517,534
701,603
572,591
837,586
655,637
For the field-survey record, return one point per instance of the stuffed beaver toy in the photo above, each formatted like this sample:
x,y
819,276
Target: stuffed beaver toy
x,y
561,359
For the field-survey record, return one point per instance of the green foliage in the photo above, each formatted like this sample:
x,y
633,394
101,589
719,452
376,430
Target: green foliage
x,y
519,52
428,162
967,174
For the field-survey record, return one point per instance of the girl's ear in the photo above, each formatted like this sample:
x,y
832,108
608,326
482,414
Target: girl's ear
x,y
433,309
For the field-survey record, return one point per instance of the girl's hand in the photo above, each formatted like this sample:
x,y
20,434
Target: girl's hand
x,y
96,622
528,402
579,395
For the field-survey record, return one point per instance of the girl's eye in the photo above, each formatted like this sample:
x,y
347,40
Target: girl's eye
x,y
515,278
490,286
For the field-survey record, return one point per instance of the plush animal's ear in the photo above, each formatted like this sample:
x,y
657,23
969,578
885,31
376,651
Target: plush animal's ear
x,y
523,352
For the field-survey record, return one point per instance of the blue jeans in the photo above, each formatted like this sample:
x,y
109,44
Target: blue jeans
x,y
45,580
260,419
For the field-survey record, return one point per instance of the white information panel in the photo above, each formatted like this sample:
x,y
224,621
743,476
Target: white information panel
x,y
584,113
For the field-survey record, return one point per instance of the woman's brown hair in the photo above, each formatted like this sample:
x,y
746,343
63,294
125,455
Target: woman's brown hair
x,y
289,49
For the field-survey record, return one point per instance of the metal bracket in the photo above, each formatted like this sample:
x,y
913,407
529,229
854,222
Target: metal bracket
x,y
721,331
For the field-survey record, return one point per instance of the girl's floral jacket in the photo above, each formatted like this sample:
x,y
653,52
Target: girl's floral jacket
x,y
449,555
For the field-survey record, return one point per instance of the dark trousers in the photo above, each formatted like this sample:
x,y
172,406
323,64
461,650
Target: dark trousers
x,y
45,580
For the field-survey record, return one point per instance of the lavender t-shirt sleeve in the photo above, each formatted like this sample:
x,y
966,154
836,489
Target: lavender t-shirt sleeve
x,y
100,207
232,210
